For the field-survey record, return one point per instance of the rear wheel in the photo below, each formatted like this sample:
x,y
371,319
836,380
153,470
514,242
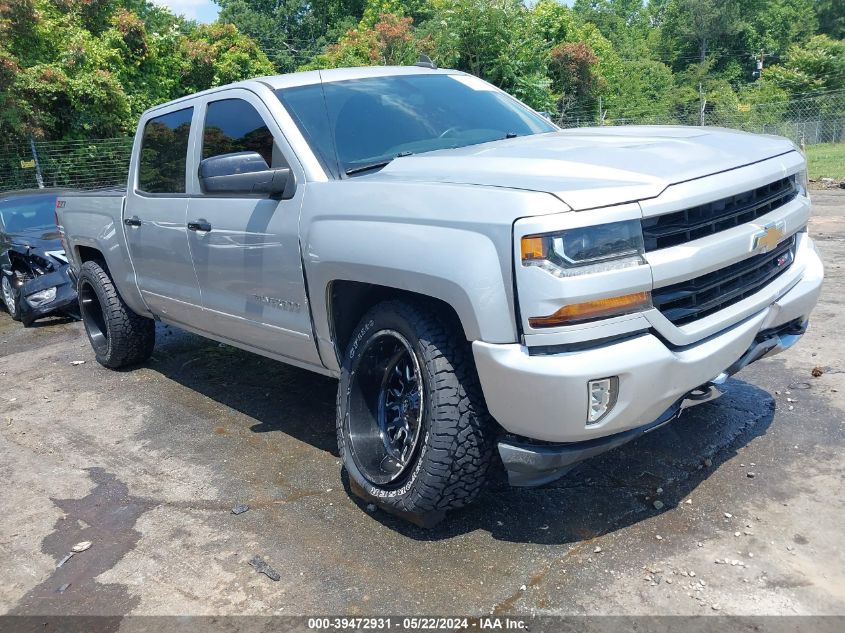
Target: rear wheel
x,y
11,297
413,430
119,336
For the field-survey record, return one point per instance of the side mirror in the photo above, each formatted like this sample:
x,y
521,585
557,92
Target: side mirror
x,y
245,172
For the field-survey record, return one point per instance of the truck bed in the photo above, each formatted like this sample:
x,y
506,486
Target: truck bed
x,y
92,222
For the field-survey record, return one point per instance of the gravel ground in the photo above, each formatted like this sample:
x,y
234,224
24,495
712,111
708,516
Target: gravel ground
x,y
147,465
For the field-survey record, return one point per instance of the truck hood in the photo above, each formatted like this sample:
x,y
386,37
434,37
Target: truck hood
x,y
593,167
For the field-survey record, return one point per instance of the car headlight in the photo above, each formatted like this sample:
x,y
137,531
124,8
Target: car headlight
x,y
587,249
42,297
583,250
802,181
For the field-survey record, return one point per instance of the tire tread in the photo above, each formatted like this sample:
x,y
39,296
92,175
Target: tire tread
x,y
461,437
131,336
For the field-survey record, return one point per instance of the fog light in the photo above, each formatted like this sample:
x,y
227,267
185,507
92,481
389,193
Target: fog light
x,y
602,395
41,297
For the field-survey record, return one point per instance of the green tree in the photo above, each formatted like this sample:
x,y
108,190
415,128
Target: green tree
x,y
218,54
817,66
697,27
390,41
643,92
831,16
88,68
775,25
291,32
623,22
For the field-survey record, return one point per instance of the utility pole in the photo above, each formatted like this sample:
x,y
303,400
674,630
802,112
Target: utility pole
x,y
760,62
703,104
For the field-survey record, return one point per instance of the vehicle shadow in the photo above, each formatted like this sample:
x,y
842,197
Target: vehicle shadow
x,y
279,397
53,321
601,495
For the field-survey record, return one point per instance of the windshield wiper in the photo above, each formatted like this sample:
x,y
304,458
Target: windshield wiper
x,y
375,165
368,167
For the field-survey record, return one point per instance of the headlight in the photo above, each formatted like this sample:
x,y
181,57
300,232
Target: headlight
x,y
583,250
41,297
586,249
803,182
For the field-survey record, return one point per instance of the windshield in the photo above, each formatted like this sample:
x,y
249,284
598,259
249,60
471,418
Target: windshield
x,y
359,124
30,212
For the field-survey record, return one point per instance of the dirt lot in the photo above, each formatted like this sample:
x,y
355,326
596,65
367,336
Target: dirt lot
x,y
147,464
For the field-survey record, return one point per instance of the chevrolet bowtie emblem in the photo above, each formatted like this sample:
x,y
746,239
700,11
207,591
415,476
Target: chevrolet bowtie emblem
x,y
768,238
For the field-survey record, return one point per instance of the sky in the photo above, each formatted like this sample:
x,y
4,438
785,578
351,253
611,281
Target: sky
x,y
204,11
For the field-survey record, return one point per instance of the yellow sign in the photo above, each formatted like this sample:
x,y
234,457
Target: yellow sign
x,y
28,164
744,107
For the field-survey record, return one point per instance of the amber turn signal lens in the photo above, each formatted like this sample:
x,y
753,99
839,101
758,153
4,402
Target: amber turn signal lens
x,y
597,309
533,248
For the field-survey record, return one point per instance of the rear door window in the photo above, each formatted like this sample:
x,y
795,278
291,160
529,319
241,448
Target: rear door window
x,y
164,153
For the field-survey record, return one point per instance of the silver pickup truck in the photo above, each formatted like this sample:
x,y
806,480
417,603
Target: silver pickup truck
x,y
484,285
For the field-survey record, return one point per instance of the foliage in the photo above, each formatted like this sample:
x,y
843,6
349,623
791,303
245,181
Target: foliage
x,y
217,54
87,68
388,41
831,16
818,65
574,71
291,32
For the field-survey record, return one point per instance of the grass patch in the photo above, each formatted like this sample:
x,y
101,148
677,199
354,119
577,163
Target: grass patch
x,y
826,160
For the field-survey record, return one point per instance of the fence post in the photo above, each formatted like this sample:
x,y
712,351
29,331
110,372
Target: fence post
x,y
38,176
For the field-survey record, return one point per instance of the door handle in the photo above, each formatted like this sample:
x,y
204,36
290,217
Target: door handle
x,y
133,221
199,225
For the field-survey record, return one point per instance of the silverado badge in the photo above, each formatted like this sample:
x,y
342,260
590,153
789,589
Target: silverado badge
x,y
768,238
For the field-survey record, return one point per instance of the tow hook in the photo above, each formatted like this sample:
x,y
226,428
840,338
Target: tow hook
x,y
705,393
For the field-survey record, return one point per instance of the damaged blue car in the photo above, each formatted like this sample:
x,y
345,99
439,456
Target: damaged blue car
x,y
35,279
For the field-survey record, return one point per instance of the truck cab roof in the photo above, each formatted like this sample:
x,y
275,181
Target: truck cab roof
x,y
310,77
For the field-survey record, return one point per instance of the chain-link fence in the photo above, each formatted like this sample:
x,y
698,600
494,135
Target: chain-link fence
x,y
809,120
72,164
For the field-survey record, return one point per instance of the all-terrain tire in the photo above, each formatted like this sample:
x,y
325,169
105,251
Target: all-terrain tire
x,y
119,336
456,436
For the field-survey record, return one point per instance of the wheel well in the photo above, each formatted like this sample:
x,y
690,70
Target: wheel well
x,y
88,254
349,300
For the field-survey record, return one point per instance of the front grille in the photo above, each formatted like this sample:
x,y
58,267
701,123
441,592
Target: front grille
x,y
684,226
697,298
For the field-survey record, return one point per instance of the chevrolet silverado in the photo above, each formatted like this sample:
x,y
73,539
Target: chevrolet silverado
x,y
484,285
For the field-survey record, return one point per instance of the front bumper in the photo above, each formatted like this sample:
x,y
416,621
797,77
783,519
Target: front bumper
x,y
544,397
66,298
534,464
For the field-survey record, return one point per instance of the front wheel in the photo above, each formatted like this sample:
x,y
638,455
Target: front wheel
x,y
413,429
119,336
11,297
